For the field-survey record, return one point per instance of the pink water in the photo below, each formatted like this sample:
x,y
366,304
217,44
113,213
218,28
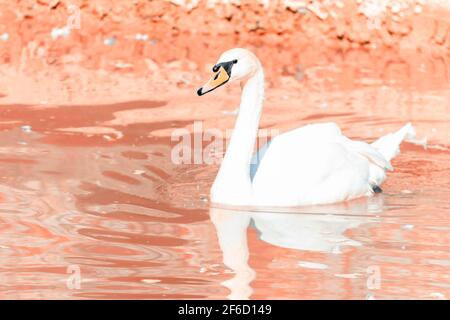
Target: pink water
x,y
93,188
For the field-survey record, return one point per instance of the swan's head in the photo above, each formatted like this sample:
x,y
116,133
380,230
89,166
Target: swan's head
x,y
234,64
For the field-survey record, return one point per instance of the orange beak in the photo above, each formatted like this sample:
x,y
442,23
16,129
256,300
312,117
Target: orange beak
x,y
218,79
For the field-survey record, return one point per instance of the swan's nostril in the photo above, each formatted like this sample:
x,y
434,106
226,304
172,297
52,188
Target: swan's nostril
x,y
217,75
199,91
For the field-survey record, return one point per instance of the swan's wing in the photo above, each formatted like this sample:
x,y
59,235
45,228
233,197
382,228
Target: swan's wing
x,y
317,131
328,130
316,164
385,148
389,145
368,151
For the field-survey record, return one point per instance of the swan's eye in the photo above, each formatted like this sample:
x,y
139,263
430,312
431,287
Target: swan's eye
x,y
234,61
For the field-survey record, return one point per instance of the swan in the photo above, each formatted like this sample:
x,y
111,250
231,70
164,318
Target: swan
x,y
311,165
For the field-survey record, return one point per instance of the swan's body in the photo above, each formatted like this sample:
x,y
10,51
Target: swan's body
x,y
314,164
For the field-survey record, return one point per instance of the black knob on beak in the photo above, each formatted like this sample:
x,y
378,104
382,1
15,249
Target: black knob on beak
x,y
199,91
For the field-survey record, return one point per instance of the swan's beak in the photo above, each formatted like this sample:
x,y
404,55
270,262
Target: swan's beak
x,y
219,78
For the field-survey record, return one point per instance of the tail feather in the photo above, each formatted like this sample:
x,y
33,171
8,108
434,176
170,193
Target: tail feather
x,y
389,145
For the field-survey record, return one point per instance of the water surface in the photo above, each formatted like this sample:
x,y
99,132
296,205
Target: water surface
x,y
93,188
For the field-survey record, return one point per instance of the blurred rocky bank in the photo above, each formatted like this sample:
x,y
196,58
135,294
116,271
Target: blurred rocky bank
x,y
80,51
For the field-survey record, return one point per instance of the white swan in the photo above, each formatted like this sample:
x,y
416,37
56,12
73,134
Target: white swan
x,y
314,164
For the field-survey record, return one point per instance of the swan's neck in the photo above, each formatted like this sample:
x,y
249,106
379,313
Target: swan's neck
x,y
234,173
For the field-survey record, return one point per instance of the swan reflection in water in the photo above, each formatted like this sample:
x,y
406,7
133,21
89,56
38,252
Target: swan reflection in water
x,y
314,229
